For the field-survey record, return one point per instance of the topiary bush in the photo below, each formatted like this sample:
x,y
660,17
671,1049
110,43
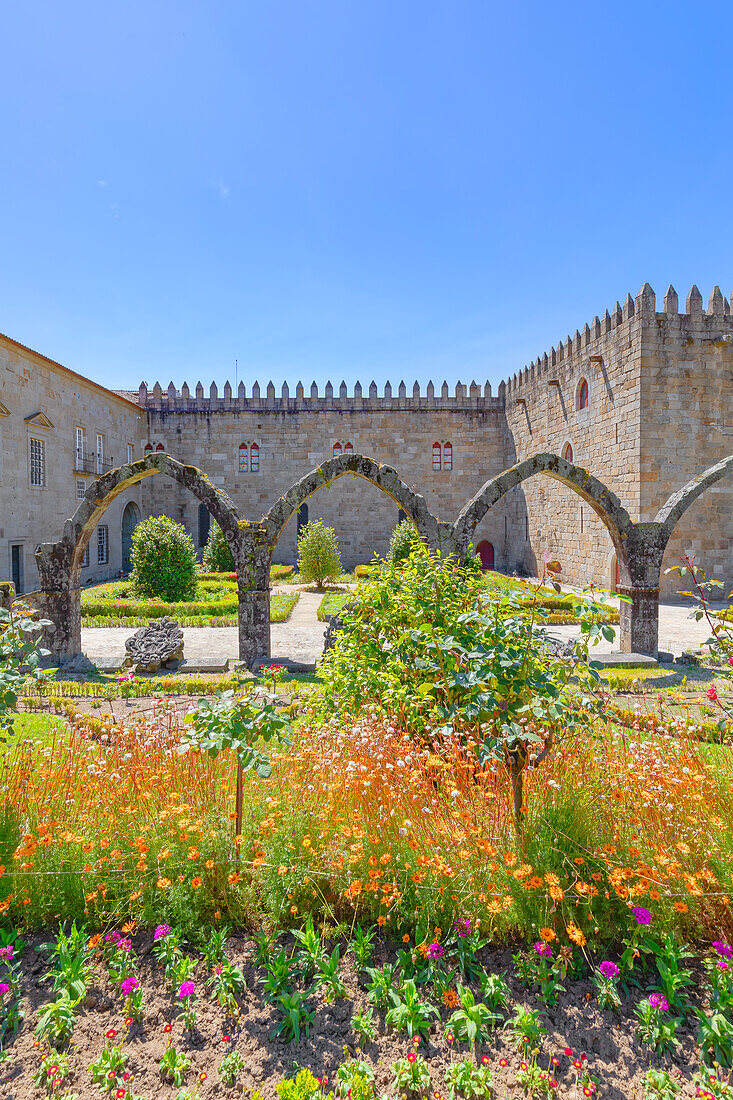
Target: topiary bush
x,y
163,560
318,553
404,541
217,557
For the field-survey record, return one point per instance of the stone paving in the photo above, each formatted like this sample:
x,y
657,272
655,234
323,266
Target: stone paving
x,y
300,639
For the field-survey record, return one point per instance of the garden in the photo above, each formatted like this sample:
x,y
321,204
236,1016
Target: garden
x,y
453,863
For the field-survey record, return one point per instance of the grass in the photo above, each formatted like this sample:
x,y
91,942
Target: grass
x,y
40,728
331,604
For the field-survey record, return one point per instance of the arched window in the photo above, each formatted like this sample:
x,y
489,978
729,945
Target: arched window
x,y
337,450
301,519
254,458
567,452
243,458
348,448
160,447
148,448
436,456
447,456
583,394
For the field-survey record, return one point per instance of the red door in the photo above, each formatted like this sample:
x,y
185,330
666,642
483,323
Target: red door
x,y
486,552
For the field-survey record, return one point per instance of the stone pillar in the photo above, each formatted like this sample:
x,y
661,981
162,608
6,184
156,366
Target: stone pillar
x,y
252,560
59,601
639,626
640,567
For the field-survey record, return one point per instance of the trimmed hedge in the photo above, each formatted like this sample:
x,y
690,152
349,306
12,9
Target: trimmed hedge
x,y
213,613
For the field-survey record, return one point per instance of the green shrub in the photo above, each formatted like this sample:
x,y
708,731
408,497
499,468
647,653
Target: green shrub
x,y
163,560
404,541
217,557
318,553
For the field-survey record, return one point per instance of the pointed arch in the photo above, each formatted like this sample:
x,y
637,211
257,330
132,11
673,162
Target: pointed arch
x,y
604,503
384,477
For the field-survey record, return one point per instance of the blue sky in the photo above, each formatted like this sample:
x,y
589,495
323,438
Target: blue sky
x,y
352,190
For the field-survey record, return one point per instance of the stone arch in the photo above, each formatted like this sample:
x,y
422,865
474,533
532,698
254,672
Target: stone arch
x,y
604,503
675,507
383,477
59,563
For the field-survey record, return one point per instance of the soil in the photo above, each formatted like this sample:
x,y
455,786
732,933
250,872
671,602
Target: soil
x,y
614,1056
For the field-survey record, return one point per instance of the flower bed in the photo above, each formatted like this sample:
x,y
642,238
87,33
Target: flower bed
x,y
110,605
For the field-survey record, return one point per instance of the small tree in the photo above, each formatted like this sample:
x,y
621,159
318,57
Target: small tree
x,y
163,560
318,553
217,556
404,541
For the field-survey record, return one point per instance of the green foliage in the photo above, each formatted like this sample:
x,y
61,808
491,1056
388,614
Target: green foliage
x,y
362,945
656,1029
495,991
295,1016
318,553
174,1065
231,1066
217,556
304,1086
56,1020
53,1072
20,656
355,1080
405,541
311,955
660,1085
108,1069
411,1074
362,1024
228,722
411,1013
469,1080
328,976
163,560
524,1028
473,1021
715,1039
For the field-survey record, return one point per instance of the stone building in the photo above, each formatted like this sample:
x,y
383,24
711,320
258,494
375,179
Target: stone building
x,y
643,399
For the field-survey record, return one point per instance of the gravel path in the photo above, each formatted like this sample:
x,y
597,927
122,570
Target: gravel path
x,y
300,639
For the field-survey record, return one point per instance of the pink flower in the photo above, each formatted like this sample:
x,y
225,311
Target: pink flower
x,y
659,1001
723,949
435,951
129,986
160,931
4,987
462,927
712,694
543,949
643,916
411,1056
609,969
186,990
7,952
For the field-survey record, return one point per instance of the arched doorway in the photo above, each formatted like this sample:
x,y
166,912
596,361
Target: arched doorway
x,y
485,551
302,519
204,525
130,520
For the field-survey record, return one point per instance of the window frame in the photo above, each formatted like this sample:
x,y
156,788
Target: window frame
x,y
254,458
583,391
448,456
40,465
243,458
437,458
103,544
99,443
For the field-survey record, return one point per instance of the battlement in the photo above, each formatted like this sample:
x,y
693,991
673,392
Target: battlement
x,y
715,323
172,400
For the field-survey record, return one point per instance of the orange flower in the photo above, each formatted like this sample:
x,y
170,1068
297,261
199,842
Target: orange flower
x,y
196,883
547,935
681,907
163,883
405,938
233,878
381,921
556,893
450,998
576,935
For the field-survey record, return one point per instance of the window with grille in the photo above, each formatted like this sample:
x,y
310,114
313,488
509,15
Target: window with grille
x,y
160,447
102,544
447,456
148,448
130,452
85,557
243,458
254,458
38,463
337,450
348,448
80,490
100,453
436,456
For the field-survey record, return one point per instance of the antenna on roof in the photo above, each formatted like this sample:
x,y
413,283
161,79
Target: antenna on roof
x,y
236,380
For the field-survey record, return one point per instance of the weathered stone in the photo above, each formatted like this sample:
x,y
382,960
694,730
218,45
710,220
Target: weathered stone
x,y
158,645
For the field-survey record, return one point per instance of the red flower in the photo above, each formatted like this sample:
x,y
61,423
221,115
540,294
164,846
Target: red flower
x,y
111,1033
411,1056
712,694
568,1052
168,1027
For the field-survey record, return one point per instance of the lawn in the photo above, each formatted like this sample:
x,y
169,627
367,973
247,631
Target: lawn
x,y
216,604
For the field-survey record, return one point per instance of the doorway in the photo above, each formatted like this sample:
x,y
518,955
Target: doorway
x,y
16,567
130,520
485,551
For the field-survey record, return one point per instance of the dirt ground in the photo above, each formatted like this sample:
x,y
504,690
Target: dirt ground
x,y
614,1056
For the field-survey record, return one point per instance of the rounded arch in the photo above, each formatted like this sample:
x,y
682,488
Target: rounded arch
x,y
104,490
130,520
485,551
604,503
383,477
675,507
582,394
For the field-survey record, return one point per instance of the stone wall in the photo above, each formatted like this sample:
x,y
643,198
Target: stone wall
x,y
41,399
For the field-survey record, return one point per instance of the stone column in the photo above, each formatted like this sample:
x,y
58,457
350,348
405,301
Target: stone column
x,y
640,570
252,561
60,600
